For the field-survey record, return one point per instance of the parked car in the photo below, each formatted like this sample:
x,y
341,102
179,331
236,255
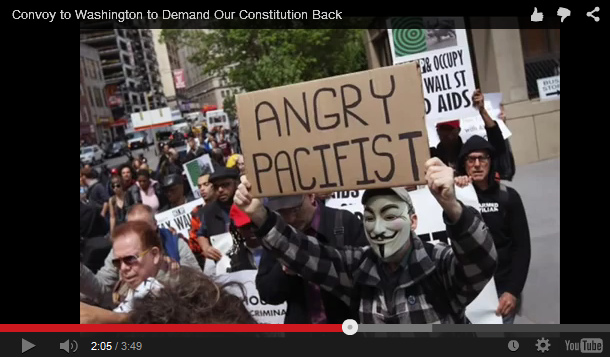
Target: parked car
x,y
137,140
117,148
91,155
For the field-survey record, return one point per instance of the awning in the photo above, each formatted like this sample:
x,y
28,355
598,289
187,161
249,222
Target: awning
x,y
120,122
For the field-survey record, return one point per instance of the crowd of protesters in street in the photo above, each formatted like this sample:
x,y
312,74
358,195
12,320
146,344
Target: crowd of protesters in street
x,y
326,264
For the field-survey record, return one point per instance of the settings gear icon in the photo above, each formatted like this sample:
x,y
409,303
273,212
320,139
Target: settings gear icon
x,y
543,345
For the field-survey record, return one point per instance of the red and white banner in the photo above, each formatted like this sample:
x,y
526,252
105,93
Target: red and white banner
x,y
179,80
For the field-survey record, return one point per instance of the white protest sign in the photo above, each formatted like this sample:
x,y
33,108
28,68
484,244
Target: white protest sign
x,y
196,168
431,227
440,44
222,265
475,125
548,88
262,312
178,218
223,242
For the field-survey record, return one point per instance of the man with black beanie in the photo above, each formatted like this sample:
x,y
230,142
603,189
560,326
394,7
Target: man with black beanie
x,y
504,214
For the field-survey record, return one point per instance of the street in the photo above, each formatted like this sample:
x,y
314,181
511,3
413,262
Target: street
x,y
153,160
538,186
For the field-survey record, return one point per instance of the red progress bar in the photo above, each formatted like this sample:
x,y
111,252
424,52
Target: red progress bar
x,y
171,328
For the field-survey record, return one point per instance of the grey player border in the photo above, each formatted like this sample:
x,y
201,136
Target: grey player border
x,y
483,328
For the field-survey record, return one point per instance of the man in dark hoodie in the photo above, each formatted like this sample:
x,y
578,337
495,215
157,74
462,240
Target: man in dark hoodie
x,y
451,144
504,214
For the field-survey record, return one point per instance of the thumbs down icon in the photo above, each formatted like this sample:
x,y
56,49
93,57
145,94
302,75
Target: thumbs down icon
x,y
563,12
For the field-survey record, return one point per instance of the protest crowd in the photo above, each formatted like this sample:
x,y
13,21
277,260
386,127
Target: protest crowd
x,y
321,264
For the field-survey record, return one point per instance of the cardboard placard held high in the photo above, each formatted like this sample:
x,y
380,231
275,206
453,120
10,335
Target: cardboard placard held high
x,y
350,132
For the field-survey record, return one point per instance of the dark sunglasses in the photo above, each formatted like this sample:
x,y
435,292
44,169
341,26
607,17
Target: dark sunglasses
x,y
128,260
115,185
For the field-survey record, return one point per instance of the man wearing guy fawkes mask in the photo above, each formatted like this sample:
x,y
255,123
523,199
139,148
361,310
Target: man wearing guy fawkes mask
x,y
398,278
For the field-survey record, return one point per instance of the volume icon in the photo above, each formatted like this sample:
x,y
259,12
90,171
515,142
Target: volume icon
x,y
69,346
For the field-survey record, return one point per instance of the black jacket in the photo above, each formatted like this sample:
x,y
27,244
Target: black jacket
x,y
193,155
276,287
133,195
504,214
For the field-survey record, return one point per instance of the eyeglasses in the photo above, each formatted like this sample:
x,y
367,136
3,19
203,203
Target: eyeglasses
x,y
129,260
116,185
482,159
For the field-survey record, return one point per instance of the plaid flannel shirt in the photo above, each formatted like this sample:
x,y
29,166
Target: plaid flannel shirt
x,y
352,274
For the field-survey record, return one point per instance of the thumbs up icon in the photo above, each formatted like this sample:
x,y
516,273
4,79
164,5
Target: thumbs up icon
x,y
537,16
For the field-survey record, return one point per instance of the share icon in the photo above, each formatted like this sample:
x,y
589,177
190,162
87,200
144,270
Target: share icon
x,y
590,14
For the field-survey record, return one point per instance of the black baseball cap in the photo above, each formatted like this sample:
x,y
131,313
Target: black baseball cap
x,y
171,180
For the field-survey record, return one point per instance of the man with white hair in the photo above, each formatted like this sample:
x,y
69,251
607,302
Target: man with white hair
x,y
397,278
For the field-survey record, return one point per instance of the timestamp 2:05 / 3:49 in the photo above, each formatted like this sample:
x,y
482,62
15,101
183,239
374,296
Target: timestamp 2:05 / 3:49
x,y
114,346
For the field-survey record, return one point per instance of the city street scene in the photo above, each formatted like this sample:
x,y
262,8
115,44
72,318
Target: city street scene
x,y
408,175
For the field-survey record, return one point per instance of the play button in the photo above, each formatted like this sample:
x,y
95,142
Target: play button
x,y
26,345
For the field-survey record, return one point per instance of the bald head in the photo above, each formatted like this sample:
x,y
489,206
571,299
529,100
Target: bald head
x,y
142,213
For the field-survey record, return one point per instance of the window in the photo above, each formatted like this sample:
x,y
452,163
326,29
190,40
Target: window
x,y
82,66
99,101
222,93
540,56
381,45
90,96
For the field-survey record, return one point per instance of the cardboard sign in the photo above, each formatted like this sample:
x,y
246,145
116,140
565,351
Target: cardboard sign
x,y
196,168
262,312
179,218
431,228
356,131
440,45
548,88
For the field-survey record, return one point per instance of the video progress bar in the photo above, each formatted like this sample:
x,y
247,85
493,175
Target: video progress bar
x,y
484,328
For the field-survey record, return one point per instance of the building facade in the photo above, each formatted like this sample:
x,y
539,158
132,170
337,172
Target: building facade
x,y
202,89
130,71
508,61
95,114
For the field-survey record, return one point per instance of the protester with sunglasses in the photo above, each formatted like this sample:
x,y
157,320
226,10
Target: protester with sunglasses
x,y
118,208
504,214
142,265
98,287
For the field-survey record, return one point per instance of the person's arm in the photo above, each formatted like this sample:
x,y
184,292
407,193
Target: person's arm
x,y
470,262
96,315
108,275
324,265
112,215
187,258
203,239
273,284
521,247
104,209
494,134
94,288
